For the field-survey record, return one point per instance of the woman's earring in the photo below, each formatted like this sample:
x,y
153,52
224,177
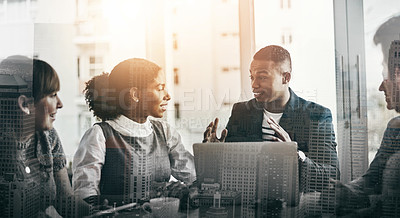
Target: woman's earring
x,y
23,104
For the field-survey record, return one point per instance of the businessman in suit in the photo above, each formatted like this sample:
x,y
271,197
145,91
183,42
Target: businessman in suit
x,y
276,113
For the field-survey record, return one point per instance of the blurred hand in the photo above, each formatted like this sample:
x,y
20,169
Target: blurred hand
x,y
146,207
104,205
169,189
283,136
210,134
349,202
185,193
341,192
158,189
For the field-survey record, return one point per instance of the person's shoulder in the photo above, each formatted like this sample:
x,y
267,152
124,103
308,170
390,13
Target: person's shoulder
x,y
240,103
309,105
317,107
92,136
95,129
245,105
315,110
394,123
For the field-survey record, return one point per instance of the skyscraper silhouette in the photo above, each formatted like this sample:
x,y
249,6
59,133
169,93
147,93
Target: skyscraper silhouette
x,y
19,177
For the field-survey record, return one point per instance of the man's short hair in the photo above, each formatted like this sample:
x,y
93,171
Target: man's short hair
x,y
274,53
386,33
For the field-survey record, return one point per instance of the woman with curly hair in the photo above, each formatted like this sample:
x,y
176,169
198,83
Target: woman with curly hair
x,y
121,158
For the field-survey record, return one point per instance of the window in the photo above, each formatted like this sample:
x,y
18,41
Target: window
x,y
78,69
175,41
177,110
286,38
96,66
95,60
285,4
309,54
176,76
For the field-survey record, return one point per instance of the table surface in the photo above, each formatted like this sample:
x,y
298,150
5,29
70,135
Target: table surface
x,y
310,205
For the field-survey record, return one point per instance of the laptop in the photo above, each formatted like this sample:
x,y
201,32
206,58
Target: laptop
x,y
260,171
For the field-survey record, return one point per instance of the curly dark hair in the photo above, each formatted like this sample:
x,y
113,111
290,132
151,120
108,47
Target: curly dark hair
x,y
107,94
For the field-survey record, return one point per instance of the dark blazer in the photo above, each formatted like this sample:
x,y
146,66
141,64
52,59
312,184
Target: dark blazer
x,y
381,180
307,123
371,182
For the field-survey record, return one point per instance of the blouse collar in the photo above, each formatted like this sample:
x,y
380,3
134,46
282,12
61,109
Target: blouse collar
x,y
128,127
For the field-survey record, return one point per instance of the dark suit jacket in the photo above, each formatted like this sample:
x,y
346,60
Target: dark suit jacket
x,y
307,123
380,180
371,182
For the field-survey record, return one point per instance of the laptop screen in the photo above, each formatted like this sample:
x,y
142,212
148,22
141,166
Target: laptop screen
x,y
260,171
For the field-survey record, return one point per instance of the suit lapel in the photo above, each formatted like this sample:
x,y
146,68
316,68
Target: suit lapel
x,y
287,118
255,117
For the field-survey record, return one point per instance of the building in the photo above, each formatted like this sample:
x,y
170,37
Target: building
x,y
223,201
239,171
280,175
203,62
262,179
312,182
227,198
394,57
92,51
19,177
137,176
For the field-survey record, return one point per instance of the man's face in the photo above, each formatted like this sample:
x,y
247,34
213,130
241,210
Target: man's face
x,y
268,80
391,88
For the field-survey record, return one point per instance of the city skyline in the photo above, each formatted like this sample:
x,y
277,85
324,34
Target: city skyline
x,y
99,25
198,45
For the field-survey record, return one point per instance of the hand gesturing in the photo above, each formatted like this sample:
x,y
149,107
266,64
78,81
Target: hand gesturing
x,y
283,136
210,134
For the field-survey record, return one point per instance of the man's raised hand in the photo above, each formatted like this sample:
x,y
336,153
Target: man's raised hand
x,y
210,134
